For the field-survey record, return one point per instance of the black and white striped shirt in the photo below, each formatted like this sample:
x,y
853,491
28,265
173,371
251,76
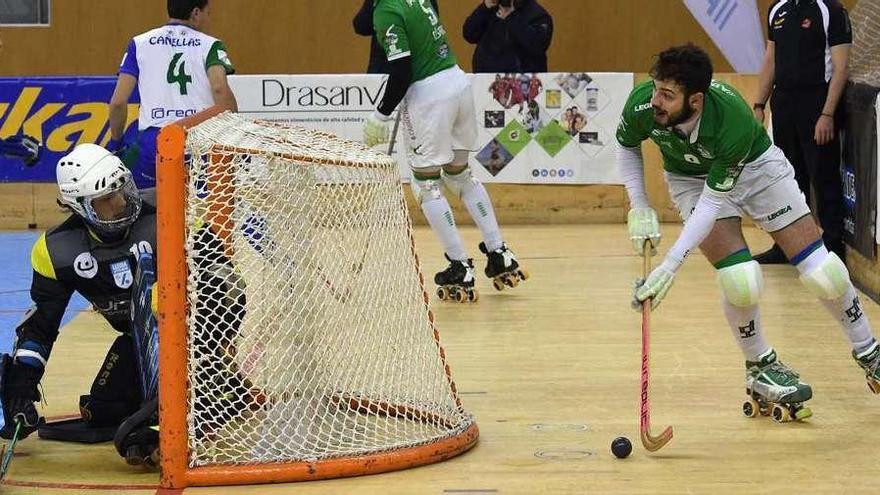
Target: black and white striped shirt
x,y
804,32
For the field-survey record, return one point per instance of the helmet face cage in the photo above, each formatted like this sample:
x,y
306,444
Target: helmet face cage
x,y
133,205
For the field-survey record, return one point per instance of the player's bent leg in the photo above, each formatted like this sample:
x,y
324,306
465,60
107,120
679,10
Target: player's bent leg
x,y
824,274
501,266
456,282
459,179
741,282
114,394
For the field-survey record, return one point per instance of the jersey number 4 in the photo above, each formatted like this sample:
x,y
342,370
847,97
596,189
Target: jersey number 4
x,y
177,73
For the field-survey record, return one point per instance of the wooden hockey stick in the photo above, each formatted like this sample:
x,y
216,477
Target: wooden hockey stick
x,y
650,442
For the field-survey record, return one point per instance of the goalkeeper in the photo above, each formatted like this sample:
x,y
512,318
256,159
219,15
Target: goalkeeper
x,y
94,252
440,123
721,165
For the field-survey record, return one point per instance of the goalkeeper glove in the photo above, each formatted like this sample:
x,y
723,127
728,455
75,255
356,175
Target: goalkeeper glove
x,y
23,147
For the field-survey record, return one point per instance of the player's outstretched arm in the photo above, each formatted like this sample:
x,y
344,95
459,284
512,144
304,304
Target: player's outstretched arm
x,y
696,228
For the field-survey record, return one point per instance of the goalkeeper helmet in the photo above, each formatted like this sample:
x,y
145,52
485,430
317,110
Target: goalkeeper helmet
x,y
91,173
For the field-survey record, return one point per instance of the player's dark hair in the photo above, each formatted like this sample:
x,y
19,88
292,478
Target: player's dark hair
x,y
181,9
687,65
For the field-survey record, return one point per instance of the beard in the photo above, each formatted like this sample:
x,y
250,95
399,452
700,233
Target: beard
x,y
672,120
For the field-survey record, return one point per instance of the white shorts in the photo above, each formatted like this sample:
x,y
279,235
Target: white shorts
x,y
766,192
438,117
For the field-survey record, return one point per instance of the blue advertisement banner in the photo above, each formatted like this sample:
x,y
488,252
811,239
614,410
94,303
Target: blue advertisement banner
x,y
60,112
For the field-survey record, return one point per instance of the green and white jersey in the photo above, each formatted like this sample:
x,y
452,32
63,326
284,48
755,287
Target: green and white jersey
x,y
727,135
411,28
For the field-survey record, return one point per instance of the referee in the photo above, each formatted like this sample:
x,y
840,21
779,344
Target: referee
x,y
805,67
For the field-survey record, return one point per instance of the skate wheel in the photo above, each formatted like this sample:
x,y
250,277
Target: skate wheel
x,y
874,386
473,296
461,296
780,414
511,281
803,413
523,274
498,284
443,293
751,408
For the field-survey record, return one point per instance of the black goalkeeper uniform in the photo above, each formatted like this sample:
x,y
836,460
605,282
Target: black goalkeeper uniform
x,y
71,258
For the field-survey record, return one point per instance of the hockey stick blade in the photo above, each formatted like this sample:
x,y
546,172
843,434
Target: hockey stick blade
x,y
7,453
650,442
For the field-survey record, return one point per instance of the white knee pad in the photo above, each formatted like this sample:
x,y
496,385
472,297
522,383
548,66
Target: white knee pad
x,y
460,157
461,183
426,190
741,283
829,280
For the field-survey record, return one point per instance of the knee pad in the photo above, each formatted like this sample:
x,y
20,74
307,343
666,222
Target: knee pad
x,y
741,283
460,183
829,280
460,157
426,190
99,413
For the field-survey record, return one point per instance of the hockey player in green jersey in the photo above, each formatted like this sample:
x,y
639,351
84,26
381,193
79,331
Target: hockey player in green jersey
x,y
720,165
439,120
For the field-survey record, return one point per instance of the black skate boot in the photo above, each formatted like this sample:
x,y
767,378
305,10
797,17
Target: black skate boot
x,y
502,267
456,282
137,438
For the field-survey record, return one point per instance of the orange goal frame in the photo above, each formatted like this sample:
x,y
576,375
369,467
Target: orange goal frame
x,y
173,354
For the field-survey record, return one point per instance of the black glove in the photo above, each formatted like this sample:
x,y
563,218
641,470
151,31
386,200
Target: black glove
x,y
23,147
19,392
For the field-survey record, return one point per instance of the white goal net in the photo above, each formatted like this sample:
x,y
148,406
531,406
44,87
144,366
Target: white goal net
x,y
309,332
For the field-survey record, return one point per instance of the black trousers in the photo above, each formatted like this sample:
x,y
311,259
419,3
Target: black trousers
x,y
816,168
116,392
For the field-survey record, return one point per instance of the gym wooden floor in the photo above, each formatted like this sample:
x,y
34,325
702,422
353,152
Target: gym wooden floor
x,y
551,371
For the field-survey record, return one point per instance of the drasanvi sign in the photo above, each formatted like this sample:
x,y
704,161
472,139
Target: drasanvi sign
x,y
532,128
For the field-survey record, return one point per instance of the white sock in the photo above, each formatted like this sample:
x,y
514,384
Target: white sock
x,y
478,204
745,324
846,309
439,215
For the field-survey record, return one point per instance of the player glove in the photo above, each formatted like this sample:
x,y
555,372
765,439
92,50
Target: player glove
x,y
376,129
655,287
23,147
643,225
19,392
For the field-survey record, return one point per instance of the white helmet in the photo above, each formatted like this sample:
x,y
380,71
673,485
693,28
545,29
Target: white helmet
x,y
89,172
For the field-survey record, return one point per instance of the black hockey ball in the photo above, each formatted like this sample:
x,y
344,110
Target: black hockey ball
x,y
621,447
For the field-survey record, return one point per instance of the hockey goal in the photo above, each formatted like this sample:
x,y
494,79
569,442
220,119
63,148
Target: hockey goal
x,y
296,338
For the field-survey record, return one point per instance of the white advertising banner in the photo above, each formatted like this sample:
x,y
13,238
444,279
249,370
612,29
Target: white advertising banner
x,y
735,27
553,128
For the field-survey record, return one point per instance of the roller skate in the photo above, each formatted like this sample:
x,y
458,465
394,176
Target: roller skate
x,y
870,362
456,282
775,390
502,267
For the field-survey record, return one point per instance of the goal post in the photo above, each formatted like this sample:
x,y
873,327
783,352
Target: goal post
x,y
296,340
